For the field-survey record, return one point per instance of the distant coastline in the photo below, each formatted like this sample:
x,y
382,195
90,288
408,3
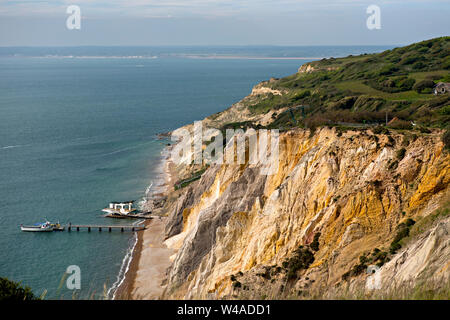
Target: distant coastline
x,y
193,56
186,56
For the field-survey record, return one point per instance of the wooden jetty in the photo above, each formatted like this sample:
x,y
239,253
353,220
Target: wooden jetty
x,y
100,228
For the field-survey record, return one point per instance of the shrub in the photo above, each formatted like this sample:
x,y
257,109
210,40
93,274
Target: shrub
x,y
411,59
401,124
388,69
363,259
381,257
316,121
380,130
407,84
434,77
446,139
392,85
445,78
391,141
393,165
265,274
405,141
358,269
445,111
395,246
410,222
403,232
302,259
401,153
446,63
424,84
302,95
345,103
315,244
424,130
14,291
346,275
418,65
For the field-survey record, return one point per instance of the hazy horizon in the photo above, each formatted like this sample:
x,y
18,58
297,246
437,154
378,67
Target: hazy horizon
x,y
299,53
202,46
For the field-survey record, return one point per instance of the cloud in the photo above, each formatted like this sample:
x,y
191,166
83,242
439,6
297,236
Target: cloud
x,y
188,8
175,22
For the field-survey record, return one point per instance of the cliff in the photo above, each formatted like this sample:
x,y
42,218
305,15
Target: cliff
x,y
235,229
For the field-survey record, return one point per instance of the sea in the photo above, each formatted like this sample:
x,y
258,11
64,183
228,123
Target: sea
x,y
79,128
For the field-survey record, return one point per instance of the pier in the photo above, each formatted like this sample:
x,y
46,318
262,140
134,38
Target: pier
x,y
109,228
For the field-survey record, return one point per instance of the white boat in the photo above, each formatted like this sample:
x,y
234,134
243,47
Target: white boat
x,y
38,227
120,208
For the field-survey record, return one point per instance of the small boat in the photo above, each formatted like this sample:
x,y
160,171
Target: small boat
x,y
38,227
57,227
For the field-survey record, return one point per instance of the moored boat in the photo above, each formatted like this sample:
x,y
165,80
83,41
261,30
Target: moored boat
x,y
38,227
57,227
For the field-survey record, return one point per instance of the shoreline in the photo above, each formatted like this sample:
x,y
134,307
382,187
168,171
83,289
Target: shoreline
x,y
152,237
124,290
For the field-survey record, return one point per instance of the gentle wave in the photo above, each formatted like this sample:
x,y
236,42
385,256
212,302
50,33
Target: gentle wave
x,y
123,149
123,268
11,147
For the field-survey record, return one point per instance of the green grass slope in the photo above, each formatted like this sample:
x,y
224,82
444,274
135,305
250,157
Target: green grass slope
x,y
361,90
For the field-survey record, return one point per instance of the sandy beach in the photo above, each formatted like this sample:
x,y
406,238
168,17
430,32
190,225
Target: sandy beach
x,y
152,263
147,271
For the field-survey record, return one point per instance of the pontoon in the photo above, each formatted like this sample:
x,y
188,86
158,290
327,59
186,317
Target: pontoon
x,y
120,208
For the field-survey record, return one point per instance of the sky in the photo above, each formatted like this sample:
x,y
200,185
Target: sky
x,y
221,22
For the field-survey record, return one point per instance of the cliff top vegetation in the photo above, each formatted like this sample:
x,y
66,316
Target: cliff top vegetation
x,y
362,90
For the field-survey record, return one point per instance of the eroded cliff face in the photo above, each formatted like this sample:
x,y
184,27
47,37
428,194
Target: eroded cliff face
x,y
354,188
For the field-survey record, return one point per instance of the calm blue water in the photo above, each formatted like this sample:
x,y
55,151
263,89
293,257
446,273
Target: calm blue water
x,y
78,133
